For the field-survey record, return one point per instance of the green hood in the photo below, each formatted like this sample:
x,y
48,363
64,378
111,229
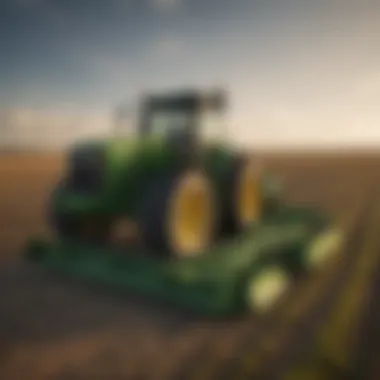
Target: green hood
x,y
127,165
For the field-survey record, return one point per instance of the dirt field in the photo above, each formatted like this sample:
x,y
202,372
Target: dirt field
x,y
53,328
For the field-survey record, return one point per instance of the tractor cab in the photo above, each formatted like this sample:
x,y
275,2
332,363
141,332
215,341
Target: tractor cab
x,y
183,117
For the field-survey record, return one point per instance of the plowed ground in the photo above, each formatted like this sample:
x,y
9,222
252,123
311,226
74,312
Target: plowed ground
x,y
55,328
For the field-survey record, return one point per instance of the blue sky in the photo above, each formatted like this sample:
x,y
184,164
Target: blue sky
x,y
287,63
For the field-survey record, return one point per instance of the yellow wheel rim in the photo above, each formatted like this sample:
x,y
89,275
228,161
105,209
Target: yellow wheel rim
x,y
249,202
191,215
266,289
323,247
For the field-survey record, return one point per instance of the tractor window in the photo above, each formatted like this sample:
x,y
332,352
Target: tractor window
x,y
168,122
211,123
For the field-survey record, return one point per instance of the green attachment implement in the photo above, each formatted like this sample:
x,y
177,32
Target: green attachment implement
x,y
249,272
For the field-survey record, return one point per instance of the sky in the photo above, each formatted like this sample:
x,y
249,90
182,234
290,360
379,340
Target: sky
x,y
298,72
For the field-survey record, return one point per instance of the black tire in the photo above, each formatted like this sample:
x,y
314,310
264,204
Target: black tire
x,y
154,213
230,222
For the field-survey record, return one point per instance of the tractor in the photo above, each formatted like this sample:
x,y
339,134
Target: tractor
x,y
204,224
174,181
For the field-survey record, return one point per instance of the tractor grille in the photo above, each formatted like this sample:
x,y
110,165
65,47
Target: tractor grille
x,y
85,170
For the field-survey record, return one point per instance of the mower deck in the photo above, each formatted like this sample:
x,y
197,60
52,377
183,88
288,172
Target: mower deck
x,y
209,284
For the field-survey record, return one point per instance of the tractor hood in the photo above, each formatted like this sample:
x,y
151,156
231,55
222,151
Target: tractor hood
x,y
119,153
113,173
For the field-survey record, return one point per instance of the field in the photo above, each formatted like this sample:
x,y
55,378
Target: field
x,y
54,328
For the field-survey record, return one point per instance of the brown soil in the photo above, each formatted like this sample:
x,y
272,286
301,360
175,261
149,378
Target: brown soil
x,y
53,328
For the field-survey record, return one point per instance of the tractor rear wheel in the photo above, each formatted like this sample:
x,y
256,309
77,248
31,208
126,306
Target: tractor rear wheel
x,y
179,214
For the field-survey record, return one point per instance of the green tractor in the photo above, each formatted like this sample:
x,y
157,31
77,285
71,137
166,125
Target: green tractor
x,y
174,212
178,189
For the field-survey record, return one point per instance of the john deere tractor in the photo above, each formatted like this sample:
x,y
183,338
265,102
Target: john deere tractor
x,y
209,233
175,180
